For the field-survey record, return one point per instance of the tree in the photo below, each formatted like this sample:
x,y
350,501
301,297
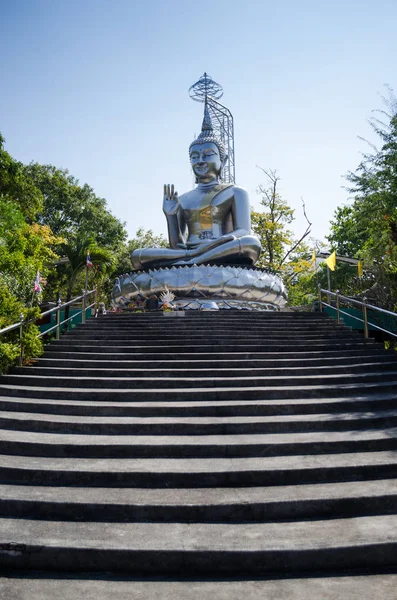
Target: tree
x,y
76,253
17,186
367,229
25,245
69,208
142,239
74,212
281,251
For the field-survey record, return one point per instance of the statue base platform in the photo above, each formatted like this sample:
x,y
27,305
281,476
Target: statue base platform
x,y
229,287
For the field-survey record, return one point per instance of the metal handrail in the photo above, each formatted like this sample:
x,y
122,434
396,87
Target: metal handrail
x,y
57,327
364,306
11,327
73,301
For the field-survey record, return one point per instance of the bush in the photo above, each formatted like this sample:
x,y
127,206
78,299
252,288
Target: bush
x,y
10,311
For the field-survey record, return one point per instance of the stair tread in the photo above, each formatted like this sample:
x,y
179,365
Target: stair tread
x,y
202,440
91,371
201,496
247,537
296,418
192,390
237,377
362,396
203,465
58,587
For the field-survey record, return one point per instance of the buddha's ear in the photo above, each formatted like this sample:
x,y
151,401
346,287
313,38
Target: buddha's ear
x,y
223,162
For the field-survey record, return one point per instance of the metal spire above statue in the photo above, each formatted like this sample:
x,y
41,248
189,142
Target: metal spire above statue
x,y
209,91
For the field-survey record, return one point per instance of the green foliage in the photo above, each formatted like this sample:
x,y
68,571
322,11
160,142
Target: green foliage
x,y
367,229
82,219
24,248
11,310
302,291
15,184
142,239
70,208
32,346
9,354
271,226
281,251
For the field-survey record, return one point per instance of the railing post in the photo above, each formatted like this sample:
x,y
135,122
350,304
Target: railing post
x,y
21,340
365,317
84,305
96,301
337,307
319,299
58,315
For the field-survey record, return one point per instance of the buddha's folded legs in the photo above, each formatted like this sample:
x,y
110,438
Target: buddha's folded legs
x,y
143,258
247,246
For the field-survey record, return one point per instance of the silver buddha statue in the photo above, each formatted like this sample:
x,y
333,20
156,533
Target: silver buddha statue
x,y
210,224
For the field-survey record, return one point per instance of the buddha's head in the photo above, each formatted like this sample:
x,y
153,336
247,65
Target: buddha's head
x,y
207,153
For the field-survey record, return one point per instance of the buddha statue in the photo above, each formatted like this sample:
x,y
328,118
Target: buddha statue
x,y
211,224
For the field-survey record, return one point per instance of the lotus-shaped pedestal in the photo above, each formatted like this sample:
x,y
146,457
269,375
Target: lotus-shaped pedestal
x,y
229,286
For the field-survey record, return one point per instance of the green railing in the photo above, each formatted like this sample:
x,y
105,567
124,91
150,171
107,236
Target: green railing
x,y
84,299
364,307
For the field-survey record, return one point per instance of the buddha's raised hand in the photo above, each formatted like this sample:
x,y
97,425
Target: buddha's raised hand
x,y
171,200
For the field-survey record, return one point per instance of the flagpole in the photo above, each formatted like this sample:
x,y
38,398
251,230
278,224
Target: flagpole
x,y
314,256
86,278
34,288
85,289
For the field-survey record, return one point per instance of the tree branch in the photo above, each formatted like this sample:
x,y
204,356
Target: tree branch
x,y
306,233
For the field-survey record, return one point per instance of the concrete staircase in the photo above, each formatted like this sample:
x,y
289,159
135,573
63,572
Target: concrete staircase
x,y
206,445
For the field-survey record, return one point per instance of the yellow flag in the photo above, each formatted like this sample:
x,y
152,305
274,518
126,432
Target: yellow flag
x,y
360,268
331,261
314,258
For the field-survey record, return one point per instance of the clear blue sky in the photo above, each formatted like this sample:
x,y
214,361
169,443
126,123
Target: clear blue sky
x,y
101,87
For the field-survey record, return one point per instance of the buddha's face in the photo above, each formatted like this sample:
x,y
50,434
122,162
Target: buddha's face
x,y
206,161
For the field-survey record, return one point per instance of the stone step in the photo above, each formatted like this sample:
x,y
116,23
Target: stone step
x,y
286,354
41,444
205,337
217,379
214,393
197,425
221,319
200,505
354,404
200,549
212,328
294,469
58,586
222,315
177,325
164,348
168,370
248,339
352,360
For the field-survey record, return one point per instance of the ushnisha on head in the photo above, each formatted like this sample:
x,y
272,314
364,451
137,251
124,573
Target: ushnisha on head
x,y
207,153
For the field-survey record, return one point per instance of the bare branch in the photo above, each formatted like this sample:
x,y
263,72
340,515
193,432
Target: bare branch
x,y
296,245
304,212
306,233
272,175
